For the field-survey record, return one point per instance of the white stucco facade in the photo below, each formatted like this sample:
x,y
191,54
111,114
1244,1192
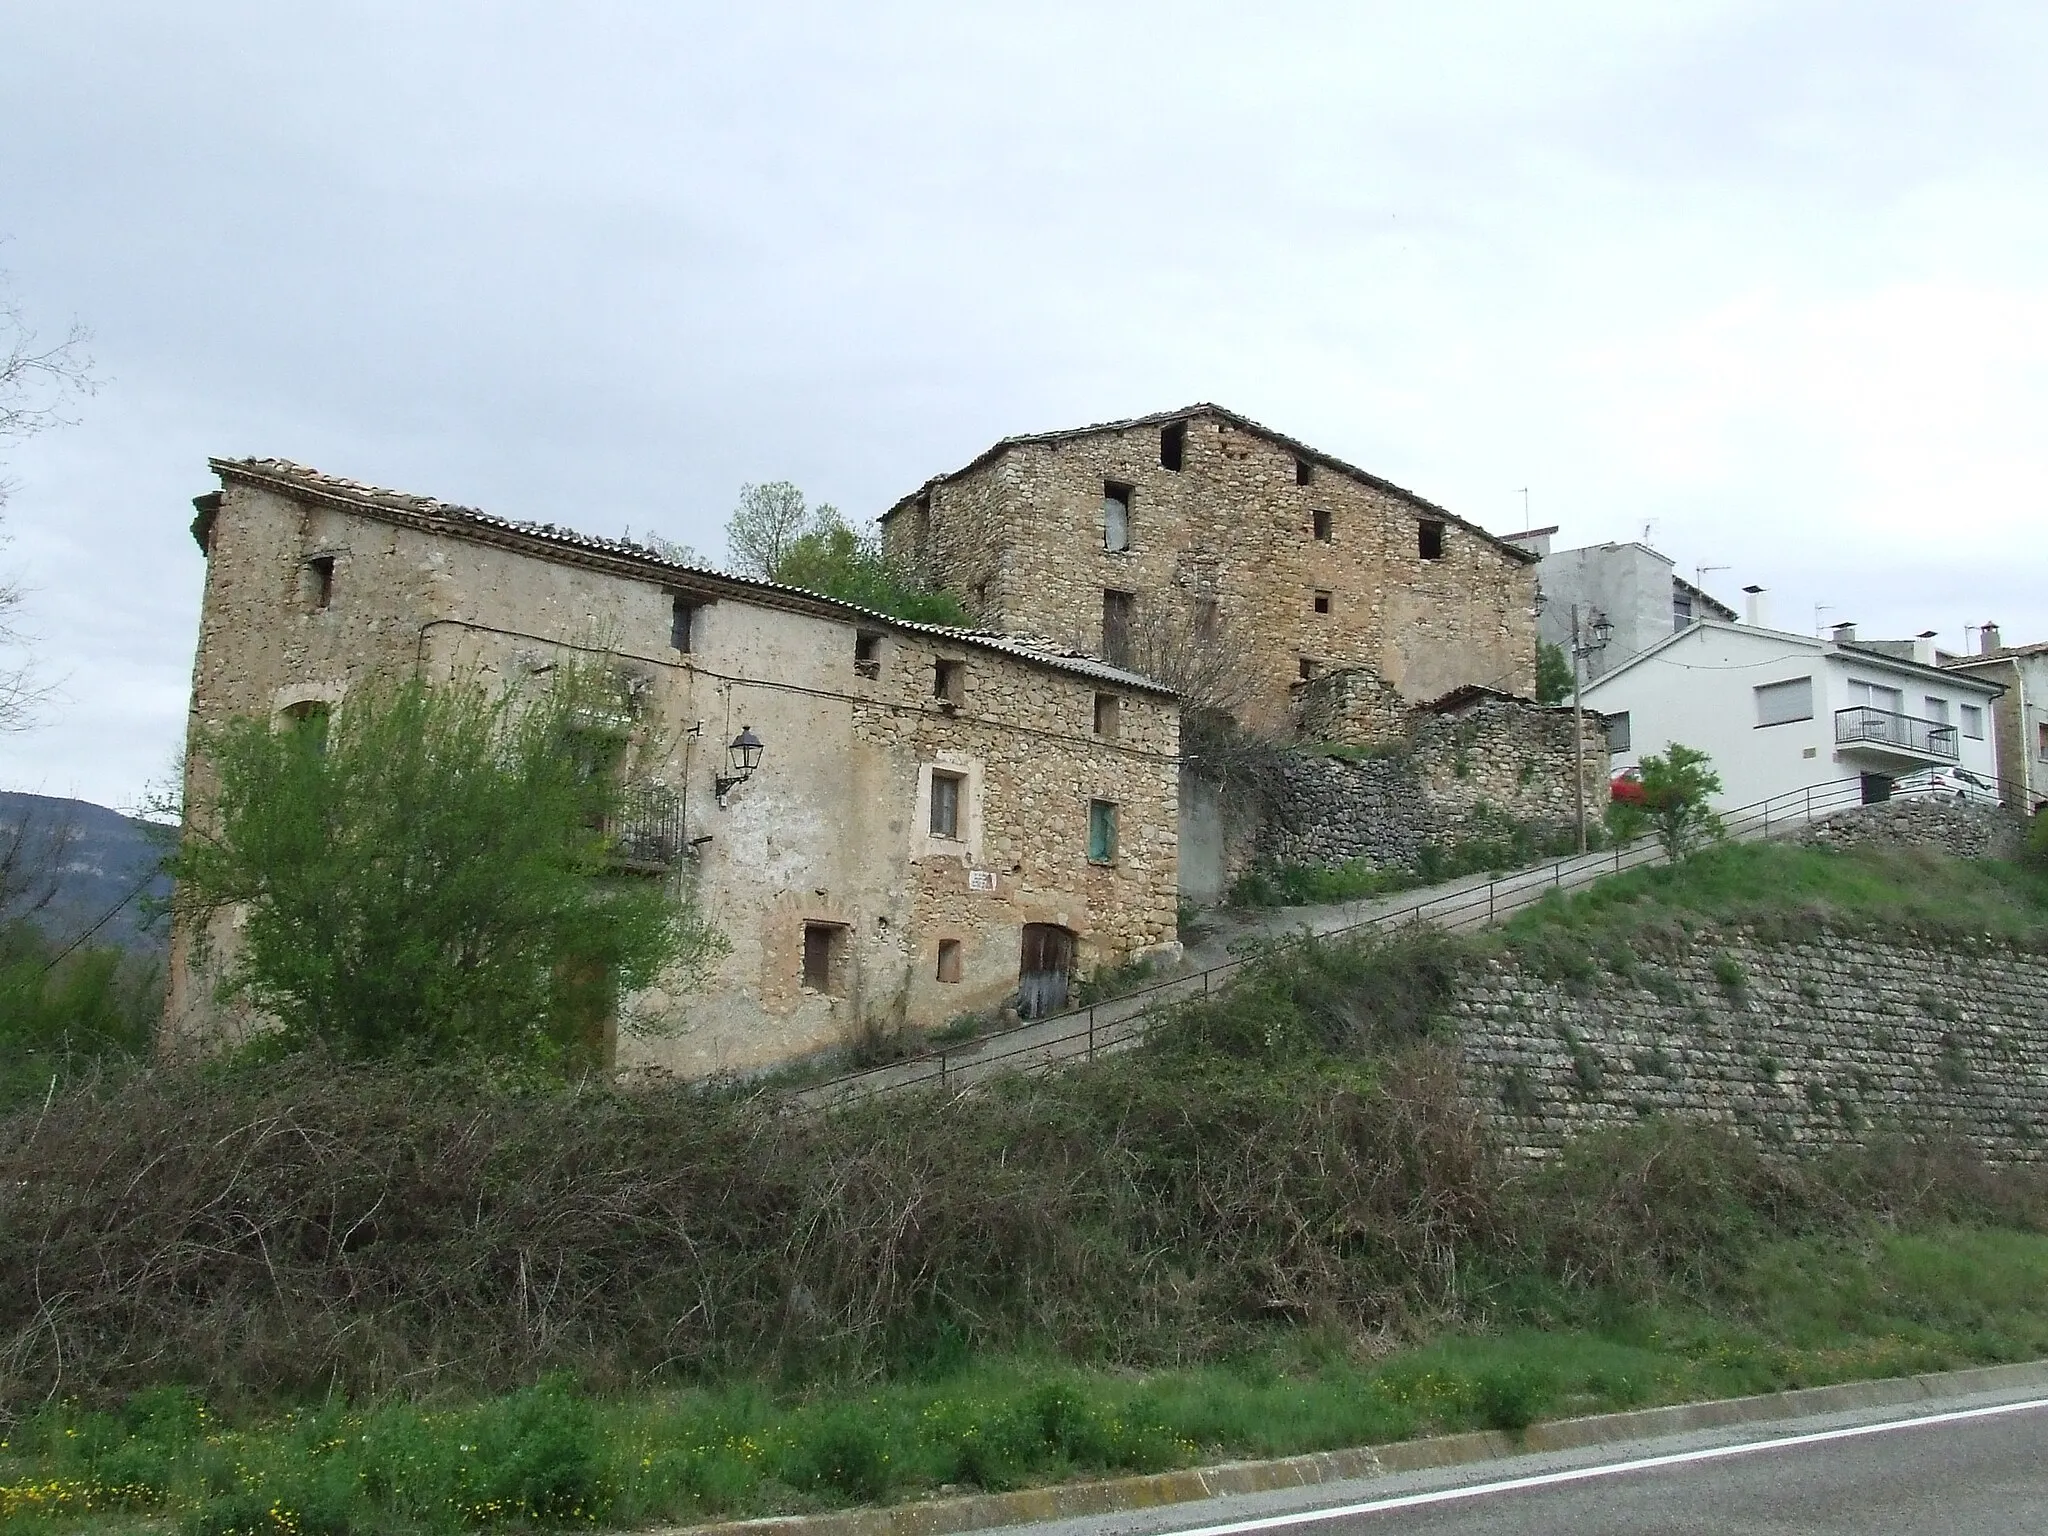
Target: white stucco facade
x,y
1735,692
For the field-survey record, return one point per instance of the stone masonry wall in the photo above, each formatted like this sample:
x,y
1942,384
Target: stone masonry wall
x,y
834,828
1805,1044
1352,705
1962,828
1512,758
1456,776
1020,537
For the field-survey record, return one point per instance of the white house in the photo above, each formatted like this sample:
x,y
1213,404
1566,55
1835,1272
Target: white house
x,y
1780,712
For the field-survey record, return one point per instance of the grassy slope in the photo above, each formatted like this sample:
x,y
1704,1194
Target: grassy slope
x,y
1657,1265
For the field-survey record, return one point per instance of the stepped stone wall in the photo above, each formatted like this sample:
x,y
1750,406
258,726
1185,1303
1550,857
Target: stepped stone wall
x,y
1804,1044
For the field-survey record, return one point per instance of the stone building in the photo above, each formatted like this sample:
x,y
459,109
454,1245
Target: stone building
x,y
941,821
1231,535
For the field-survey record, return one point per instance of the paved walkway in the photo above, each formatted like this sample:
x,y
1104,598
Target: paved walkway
x,y
1225,938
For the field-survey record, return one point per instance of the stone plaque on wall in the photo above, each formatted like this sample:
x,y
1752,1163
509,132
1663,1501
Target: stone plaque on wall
x,y
981,880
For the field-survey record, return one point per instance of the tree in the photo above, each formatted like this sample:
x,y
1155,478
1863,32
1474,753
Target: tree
x,y
428,875
1180,649
767,521
772,534
831,558
1553,674
35,378
1677,787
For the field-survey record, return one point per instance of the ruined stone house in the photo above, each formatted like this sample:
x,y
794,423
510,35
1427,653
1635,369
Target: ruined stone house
x,y
940,821
1232,534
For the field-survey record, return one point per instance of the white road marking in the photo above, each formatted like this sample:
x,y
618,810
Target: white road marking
x,y
1611,1469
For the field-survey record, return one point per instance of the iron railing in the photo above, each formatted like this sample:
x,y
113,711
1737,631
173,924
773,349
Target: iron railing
x,y
1118,1022
647,832
1909,733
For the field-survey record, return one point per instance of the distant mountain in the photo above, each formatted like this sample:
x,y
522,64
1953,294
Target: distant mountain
x,y
107,865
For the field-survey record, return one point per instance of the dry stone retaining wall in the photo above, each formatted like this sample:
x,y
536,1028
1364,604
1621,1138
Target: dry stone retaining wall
x,y
1957,827
1804,1044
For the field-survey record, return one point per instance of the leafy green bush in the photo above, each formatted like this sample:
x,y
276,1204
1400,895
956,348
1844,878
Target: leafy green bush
x,y
429,873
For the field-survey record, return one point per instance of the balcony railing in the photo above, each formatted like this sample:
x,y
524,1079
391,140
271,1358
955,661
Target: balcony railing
x,y
647,834
1906,733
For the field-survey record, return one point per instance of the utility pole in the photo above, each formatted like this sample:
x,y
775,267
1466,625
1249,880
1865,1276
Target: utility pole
x,y
1584,643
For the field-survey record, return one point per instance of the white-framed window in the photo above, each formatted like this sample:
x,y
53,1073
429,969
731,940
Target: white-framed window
x,y
1864,695
1973,721
1782,703
1934,709
1617,732
946,795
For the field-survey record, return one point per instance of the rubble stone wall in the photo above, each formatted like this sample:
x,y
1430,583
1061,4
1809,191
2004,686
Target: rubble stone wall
x,y
1965,829
1021,538
834,827
1804,1044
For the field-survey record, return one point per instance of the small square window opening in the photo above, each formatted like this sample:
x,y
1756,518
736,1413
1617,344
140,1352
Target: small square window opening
x,y
1308,669
1173,442
1322,602
320,581
1429,539
1116,515
1106,707
1322,525
949,682
1973,721
1102,831
682,624
867,653
1304,472
949,959
945,820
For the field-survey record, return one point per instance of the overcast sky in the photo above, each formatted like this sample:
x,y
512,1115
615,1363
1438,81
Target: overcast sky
x,y
1768,279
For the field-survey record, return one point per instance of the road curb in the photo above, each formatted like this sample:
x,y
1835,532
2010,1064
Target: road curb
x,y
1065,1501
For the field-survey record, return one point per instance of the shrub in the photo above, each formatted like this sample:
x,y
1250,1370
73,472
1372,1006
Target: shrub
x,y
426,874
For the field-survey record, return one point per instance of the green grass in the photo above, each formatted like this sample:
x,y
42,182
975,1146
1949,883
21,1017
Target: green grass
x,y
1778,890
1802,1312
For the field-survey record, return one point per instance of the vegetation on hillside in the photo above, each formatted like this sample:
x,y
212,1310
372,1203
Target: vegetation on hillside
x,y
1277,1226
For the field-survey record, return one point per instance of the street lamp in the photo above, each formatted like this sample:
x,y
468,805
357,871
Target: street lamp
x,y
745,753
1587,640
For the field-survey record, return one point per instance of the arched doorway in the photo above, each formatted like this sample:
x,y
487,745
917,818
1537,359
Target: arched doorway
x,y
1043,969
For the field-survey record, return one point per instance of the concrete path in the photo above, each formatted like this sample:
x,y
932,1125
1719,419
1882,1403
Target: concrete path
x,y
1226,938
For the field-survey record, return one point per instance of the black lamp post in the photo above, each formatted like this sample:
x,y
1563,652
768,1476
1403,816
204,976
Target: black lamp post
x,y
745,754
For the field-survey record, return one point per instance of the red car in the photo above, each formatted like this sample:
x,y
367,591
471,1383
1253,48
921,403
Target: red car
x,y
1628,786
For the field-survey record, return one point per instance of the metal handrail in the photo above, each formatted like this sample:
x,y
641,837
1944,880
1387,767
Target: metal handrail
x,y
1798,807
1929,738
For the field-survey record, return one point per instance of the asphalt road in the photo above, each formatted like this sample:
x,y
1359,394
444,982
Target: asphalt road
x,y
1926,1471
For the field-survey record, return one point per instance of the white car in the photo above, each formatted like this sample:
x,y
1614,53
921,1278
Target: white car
x,y
1958,784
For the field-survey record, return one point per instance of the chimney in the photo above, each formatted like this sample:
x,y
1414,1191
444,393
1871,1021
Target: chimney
x,y
1755,611
1987,642
1845,634
1923,647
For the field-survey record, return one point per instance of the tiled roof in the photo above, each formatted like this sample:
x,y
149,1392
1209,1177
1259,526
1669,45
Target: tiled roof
x,y
1162,418
549,540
